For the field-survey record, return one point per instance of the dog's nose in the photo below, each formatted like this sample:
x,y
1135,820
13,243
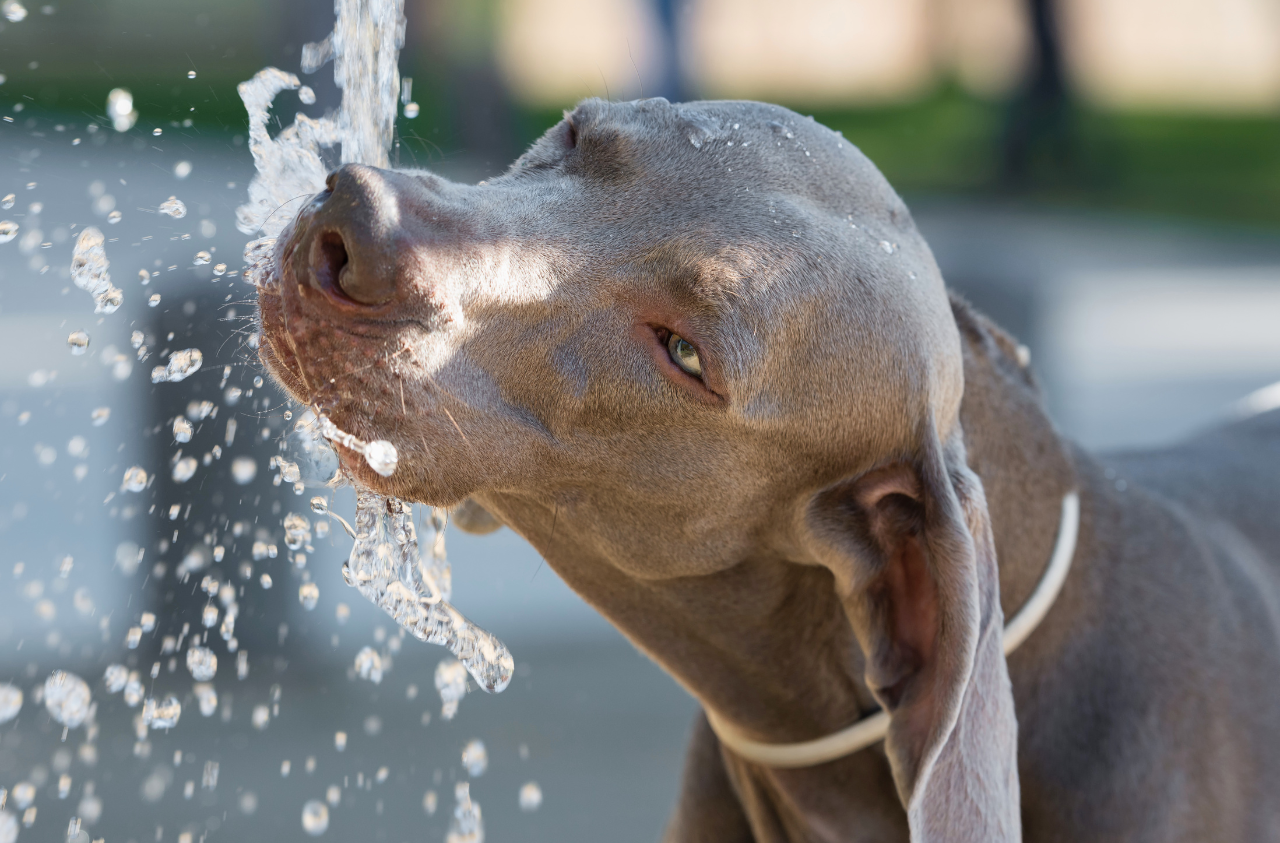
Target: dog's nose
x,y
353,243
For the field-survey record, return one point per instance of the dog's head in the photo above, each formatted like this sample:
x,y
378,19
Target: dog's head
x,y
691,335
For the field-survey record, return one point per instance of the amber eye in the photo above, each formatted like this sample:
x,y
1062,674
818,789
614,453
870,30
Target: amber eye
x,y
684,355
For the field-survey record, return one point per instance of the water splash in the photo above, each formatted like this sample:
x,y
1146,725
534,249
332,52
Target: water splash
x,y
380,454
386,567
364,46
89,271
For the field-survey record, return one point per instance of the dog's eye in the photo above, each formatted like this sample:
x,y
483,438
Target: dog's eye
x,y
684,355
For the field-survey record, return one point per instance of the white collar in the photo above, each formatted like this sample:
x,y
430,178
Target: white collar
x,y
874,727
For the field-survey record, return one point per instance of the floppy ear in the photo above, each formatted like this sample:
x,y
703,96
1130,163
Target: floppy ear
x,y
911,548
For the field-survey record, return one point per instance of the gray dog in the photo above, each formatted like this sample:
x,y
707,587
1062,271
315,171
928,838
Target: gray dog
x,y
699,356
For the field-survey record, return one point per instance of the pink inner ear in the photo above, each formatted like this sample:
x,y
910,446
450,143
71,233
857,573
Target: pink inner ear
x,y
910,599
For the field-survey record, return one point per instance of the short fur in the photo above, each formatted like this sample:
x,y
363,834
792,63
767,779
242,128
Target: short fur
x,y
837,515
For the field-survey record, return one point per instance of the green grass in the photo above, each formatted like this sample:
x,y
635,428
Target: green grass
x,y
1209,167
1206,167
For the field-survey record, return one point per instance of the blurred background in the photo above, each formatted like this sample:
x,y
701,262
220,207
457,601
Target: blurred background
x,y
1100,176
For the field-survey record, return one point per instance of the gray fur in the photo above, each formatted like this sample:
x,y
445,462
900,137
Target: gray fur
x,y
838,516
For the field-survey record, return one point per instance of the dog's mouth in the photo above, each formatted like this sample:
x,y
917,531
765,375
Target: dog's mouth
x,y
276,349
315,342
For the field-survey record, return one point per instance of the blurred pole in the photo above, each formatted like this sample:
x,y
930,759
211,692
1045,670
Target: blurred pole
x,y
671,80
1038,118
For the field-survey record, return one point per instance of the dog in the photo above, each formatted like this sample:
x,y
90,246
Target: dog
x,y
700,357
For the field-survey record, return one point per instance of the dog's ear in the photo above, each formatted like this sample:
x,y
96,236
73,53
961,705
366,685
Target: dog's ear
x,y
911,549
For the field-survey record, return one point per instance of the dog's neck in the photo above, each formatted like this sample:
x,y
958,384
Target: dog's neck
x,y
767,645
1012,445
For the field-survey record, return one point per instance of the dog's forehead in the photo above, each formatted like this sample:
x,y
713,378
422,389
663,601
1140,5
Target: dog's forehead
x,y
744,147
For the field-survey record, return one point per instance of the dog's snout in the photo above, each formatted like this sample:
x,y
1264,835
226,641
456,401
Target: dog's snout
x,y
353,236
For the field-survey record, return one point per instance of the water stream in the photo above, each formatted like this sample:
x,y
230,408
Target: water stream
x,y
385,564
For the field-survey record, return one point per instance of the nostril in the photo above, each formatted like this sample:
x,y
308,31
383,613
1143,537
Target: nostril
x,y
329,259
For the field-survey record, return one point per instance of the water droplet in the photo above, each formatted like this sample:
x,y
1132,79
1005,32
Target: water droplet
x,y
297,528
530,796
261,717
154,300
133,690
115,677
133,637
184,469
209,616
24,793
308,595
182,430
182,169
8,201
120,109
451,682
191,74
78,342
340,741
207,697
8,229
67,698
157,132
475,758
203,663
369,665
243,470
411,110
315,818
135,479
182,364
163,714
887,247
173,207
10,702
14,12
220,269
381,456
202,258
306,96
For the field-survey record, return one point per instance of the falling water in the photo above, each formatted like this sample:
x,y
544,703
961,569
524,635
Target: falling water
x,y
385,563
387,568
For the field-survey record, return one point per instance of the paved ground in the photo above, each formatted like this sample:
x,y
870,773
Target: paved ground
x,y
1142,331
